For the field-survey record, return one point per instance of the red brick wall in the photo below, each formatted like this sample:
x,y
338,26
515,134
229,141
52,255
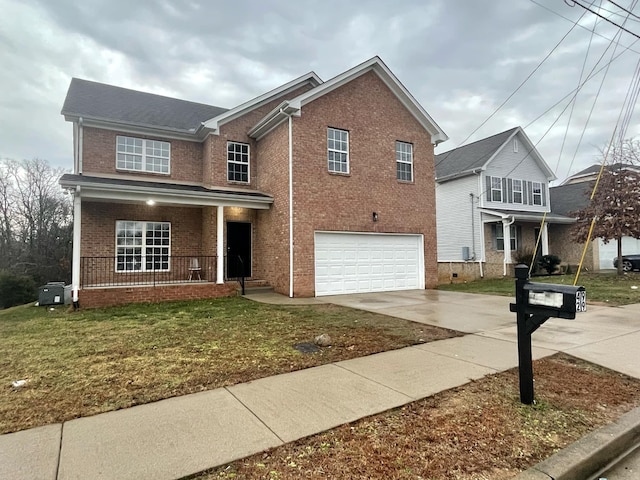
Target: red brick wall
x,y
272,234
99,226
215,154
99,156
104,297
375,119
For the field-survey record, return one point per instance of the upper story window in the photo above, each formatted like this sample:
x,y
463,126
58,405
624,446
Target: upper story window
x,y
142,155
142,246
496,189
536,188
517,191
237,162
338,150
404,161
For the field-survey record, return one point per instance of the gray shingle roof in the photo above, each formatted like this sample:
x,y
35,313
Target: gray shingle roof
x,y
106,102
565,199
469,157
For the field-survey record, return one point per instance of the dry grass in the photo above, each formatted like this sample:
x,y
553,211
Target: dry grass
x,y
93,361
477,431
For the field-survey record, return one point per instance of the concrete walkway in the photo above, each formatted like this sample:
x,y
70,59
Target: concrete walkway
x,y
180,436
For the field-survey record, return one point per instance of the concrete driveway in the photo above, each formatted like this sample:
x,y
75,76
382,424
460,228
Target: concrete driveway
x,y
604,335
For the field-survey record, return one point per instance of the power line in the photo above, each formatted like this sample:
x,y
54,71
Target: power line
x,y
571,21
517,88
575,2
624,9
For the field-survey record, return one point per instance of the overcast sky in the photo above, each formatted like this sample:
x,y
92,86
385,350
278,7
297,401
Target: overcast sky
x,y
459,58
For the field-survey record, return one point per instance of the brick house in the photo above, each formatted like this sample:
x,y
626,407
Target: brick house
x,y
491,198
314,188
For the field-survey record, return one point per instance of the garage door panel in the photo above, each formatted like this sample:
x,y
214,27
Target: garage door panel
x,y
358,263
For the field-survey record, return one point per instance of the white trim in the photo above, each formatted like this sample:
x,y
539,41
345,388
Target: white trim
x,y
513,191
220,244
80,144
533,194
143,156
545,239
290,207
376,65
77,239
216,122
404,162
134,130
235,162
143,247
338,151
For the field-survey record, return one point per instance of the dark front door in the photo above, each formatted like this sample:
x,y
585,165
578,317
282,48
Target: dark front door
x,y
238,249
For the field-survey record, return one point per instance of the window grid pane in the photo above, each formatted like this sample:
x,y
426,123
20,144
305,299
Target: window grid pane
x,y
130,238
404,161
517,191
496,189
537,193
338,150
237,162
142,155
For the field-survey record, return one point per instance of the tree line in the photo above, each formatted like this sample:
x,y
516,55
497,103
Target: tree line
x,y
36,228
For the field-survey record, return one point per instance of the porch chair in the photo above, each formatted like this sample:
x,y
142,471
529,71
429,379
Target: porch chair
x,y
194,269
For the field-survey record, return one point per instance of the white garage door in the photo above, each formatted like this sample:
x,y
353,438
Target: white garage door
x,y
361,262
609,251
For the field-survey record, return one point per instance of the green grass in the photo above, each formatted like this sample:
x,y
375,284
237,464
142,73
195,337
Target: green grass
x,y
607,288
91,361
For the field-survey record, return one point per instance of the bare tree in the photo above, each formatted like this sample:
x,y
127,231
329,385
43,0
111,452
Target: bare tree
x,y
36,218
614,210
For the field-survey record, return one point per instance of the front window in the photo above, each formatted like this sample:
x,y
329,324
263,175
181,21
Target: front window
x,y
536,188
237,162
338,150
500,237
404,161
142,155
517,191
142,246
496,189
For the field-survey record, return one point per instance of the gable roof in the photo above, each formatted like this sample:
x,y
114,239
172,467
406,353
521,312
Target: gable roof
x,y
98,101
593,170
474,157
214,123
565,199
376,65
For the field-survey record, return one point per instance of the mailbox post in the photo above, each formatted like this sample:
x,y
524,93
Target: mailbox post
x,y
535,303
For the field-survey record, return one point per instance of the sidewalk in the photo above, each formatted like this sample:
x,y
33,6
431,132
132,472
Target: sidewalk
x,y
181,436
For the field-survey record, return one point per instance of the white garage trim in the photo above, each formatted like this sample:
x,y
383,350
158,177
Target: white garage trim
x,y
358,262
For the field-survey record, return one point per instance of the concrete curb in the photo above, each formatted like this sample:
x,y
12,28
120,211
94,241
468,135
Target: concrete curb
x,y
591,454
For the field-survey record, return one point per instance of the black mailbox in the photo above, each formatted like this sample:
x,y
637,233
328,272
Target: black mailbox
x,y
535,303
561,301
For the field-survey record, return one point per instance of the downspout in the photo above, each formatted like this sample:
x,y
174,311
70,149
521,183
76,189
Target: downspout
x,y
75,252
473,235
290,206
504,261
80,144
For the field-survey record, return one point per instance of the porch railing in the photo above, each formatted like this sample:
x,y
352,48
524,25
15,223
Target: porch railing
x,y
112,271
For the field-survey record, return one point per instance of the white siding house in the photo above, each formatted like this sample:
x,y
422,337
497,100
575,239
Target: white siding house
x,y
491,197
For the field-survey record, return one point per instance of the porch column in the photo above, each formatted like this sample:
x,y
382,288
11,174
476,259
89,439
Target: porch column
x,y
220,244
544,239
506,234
76,255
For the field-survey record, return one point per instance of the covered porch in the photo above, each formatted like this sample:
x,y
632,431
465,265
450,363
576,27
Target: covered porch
x,y
157,238
509,234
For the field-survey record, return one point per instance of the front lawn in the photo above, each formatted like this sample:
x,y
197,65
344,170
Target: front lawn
x,y
87,362
606,288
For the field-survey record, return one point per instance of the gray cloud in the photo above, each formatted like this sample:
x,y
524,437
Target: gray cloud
x,y
460,59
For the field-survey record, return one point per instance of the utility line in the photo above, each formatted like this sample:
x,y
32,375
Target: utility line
x,y
517,88
571,21
575,2
622,8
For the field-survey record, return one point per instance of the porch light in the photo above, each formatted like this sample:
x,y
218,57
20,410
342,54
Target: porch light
x,y
374,216
151,203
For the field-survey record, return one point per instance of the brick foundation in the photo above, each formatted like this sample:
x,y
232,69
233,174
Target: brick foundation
x,y
103,297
